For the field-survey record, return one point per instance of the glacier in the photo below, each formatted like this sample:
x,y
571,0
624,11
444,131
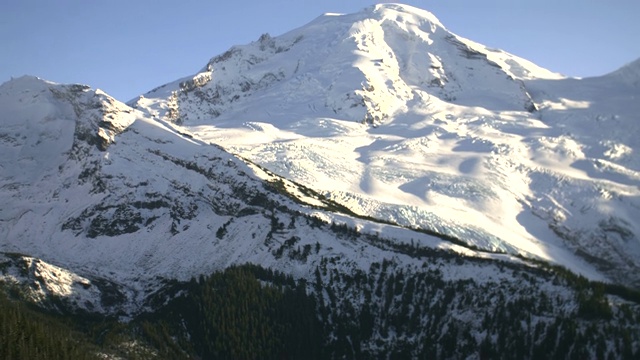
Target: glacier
x,y
393,116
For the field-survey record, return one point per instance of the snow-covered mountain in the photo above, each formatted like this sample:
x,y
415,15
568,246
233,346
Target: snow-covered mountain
x,y
410,179
385,112
393,116
95,187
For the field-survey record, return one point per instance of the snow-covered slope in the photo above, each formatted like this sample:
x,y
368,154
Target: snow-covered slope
x,y
97,190
384,112
390,114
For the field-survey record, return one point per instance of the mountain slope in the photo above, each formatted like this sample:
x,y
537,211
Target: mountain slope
x,y
391,115
103,191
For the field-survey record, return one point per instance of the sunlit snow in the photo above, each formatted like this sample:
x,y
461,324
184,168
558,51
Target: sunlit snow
x,y
390,114
384,111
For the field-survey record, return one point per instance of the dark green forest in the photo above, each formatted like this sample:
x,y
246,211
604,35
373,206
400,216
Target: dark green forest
x,y
26,333
389,311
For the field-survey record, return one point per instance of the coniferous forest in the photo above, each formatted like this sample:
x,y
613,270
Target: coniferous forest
x,y
390,311
26,333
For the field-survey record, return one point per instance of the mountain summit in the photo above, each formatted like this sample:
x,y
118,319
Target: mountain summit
x,y
364,67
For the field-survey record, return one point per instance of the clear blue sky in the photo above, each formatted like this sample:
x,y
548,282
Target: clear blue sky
x,y
127,47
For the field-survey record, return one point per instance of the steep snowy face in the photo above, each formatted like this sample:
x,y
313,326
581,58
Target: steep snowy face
x,y
54,140
51,138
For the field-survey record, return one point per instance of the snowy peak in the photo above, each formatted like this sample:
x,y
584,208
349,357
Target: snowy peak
x,y
362,67
395,10
54,140
408,17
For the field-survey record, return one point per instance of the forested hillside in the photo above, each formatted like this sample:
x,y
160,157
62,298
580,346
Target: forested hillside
x,y
392,311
